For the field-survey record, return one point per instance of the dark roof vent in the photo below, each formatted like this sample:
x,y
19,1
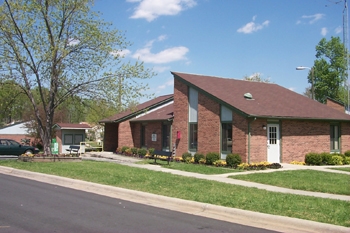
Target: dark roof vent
x,y
248,96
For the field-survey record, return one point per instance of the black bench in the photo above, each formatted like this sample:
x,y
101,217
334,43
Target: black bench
x,y
169,154
74,149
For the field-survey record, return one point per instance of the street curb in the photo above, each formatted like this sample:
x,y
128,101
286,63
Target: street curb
x,y
244,217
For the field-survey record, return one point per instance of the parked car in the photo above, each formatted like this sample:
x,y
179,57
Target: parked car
x,y
11,147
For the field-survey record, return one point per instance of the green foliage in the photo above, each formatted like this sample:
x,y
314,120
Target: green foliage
x,y
186,156
134,150
142,152
198,156
346,160
337,160
347,153
211,157
326,158
124,148
313,159
329,70
151,151
233,160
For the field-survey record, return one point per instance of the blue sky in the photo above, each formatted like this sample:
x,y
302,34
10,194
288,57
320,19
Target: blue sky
x,y
225,38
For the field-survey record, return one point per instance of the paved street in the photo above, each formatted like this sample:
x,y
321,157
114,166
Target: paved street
x,y
31,206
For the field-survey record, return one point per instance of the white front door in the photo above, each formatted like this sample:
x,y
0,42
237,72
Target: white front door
x,y
273,143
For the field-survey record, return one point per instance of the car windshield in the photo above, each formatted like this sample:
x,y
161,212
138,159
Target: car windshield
x,y
14,143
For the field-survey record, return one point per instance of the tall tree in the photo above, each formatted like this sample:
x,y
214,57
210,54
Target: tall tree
x,y
62,49
330,70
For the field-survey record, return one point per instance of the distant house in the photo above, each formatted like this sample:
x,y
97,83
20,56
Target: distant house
x,y
16,131
68,134
259,121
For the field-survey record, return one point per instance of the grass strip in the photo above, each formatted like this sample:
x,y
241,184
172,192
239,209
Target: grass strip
x,y
308,180
330,211
196,168
346,169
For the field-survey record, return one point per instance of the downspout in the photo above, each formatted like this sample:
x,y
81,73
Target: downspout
x,y
249,135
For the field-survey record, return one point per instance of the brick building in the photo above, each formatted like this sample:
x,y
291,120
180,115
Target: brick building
x,y
259,121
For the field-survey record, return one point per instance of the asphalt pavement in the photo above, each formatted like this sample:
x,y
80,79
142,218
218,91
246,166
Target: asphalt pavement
x,y
267,221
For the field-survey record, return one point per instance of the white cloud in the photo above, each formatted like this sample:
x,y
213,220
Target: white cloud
x,y
313,18
161,69
338,30
72,42
324,31
167,84
152,9
165,56
253,27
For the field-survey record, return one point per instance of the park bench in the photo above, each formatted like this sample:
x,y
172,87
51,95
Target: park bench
x,y
161,153
74,149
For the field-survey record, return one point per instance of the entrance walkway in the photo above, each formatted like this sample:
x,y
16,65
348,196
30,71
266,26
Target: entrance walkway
x,y
130,161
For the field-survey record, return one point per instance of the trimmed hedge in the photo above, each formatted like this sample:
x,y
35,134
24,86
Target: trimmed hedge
x,y
326,159
233,160
211,157
198,156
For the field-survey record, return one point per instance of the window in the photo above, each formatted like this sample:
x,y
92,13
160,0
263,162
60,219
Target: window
x,y
334,136
143,135
166,137
226,137
193,136
68,139
78,138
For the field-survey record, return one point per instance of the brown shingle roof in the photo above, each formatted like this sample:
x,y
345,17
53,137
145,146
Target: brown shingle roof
x,y
269,100
163,113
139,108
71,126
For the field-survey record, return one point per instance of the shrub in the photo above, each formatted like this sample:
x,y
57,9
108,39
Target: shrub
x,y
186,155
198,156
220,163
134,150
274,166
124,148
347,153
346,160
151,151
211,157
142,152
202,161
326,158
233,160
313,158
337,160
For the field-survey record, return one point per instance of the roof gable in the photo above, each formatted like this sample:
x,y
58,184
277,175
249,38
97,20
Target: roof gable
x,y
139,109
268,100
71,126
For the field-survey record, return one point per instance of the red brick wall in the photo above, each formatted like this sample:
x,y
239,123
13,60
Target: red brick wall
x,y
154,128
345,137
302,137
258,141
208,125
335,105
180,122
110,139
125,134
136,134
240,138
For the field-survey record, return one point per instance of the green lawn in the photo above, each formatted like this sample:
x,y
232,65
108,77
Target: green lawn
x,y
304,207
197,168
346,169
308,180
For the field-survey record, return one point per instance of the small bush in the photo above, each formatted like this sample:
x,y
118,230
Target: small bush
x,y
220,163
134,150
274,166
233,160
202,161
346,160
186,155
151,151
347,153
211,157
313,159
198,156
124,148
326,158
142,152
337,160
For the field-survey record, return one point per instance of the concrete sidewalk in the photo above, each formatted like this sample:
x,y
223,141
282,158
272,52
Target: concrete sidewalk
x,y
130,161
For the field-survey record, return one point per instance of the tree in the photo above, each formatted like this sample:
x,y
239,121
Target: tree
x,y
256,77
330,70
61,49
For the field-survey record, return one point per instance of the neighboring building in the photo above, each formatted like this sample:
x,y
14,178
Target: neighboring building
x,y
17,132
259,121
68,134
